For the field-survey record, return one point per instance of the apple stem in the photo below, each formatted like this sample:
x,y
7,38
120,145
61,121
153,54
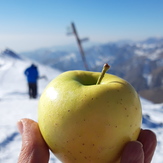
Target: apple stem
x,y
104,70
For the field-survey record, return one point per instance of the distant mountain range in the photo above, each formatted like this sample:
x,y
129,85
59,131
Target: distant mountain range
x,y
140,63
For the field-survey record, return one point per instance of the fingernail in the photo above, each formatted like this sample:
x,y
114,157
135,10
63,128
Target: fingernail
x,y
20,127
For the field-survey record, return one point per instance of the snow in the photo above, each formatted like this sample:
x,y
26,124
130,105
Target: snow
x,y
150,51
15,105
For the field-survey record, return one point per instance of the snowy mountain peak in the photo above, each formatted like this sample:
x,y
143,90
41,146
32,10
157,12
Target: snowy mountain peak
x,y
9,53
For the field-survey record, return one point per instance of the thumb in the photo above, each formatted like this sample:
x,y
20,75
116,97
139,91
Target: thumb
x,y
34,149
133,153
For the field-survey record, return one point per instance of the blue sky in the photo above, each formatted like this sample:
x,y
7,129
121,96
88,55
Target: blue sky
x,y
31,24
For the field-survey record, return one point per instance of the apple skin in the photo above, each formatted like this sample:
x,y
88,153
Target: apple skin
x,y
87,123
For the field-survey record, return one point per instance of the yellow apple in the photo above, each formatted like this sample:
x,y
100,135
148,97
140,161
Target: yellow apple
x,y
85,122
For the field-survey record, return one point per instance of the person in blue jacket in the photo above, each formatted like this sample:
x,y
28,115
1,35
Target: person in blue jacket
x,y
32,75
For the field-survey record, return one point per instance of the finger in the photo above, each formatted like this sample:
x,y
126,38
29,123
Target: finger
x,y
34,149
149,141
133,153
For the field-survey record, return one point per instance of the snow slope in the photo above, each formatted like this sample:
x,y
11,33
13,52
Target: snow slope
x,y
15,104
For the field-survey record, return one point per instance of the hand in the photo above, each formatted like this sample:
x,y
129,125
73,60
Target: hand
x,y
140,151
34,149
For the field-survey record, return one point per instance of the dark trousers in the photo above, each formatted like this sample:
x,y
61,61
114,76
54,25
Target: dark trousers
x,y
32,90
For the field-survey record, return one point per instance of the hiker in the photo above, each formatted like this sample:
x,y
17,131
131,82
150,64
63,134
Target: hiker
x,y
32,75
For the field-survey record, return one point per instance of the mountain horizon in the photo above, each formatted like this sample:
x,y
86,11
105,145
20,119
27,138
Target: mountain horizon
x,y
140,63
